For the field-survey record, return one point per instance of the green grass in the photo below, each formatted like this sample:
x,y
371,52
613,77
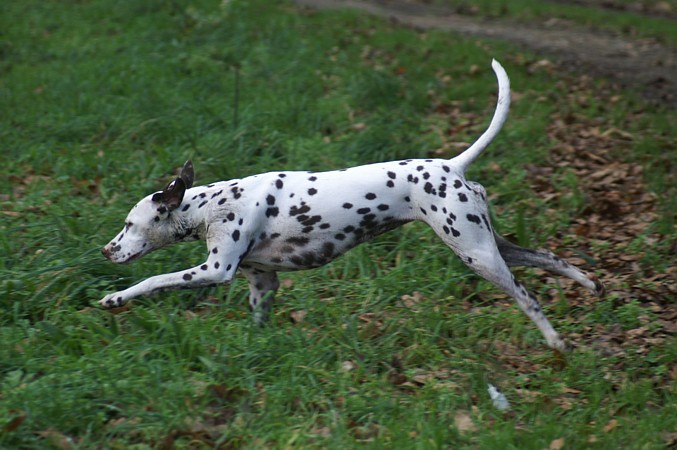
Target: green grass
x,y
101,102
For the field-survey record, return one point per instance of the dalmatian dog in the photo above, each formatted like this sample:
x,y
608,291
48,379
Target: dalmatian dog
x,y
285,221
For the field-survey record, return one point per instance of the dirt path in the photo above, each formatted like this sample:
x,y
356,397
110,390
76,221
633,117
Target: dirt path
x,y
643,63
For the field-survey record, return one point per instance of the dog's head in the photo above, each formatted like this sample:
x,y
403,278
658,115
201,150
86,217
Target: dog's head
x,y
149,225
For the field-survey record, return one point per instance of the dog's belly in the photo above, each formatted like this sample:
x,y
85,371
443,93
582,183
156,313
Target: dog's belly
x,y
297,252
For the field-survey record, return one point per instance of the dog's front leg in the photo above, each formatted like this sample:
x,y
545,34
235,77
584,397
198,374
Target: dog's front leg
x,y
198,276
219,268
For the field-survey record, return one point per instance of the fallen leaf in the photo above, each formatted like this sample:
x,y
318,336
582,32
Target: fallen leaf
x,y
464,422
557,444
348,366
613,423
56,439
15,422
298,316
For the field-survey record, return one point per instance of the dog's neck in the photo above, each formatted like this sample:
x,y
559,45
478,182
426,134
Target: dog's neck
x,y
188,218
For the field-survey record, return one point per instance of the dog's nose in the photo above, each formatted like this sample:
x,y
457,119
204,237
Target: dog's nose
x,y
105,252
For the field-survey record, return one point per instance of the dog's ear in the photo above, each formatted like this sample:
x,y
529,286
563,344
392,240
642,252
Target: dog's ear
x,y
172,195
187,174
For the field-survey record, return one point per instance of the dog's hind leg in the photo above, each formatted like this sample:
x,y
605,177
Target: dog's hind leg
x,y
471,238
262,288
514,255
490,266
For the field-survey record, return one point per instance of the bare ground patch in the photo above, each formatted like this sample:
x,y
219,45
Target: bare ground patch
x,y
644,64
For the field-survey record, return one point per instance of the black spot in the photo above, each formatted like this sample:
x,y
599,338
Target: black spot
x,y
309,259
455,232
446,229
228,267
469,260
162,209
204,267
424,211
458,184
203,203
222,201
433,207
300,240
370,196
185,207
215,250
217,265
312,191
297,260
157,218
426,175
486,221
312,179
270,200
327,249
347,205
217,193
428,188
407,199
340,236
282,175
383,207
272,212
462,197
473,218
390,184
279,184
419,168
452,216
275,235
368,221
324,226
309,220
349,229
403,163
187,276
295,210
230,216
363,210
445,168
392,175
236,235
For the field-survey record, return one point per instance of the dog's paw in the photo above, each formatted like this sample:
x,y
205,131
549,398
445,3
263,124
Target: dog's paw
x,y
599,290
558,344
110,301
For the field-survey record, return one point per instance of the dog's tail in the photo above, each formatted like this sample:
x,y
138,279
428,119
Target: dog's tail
x,y
466,158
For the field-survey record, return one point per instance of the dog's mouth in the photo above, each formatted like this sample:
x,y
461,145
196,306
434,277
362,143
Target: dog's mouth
x,y
132,258
112,257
